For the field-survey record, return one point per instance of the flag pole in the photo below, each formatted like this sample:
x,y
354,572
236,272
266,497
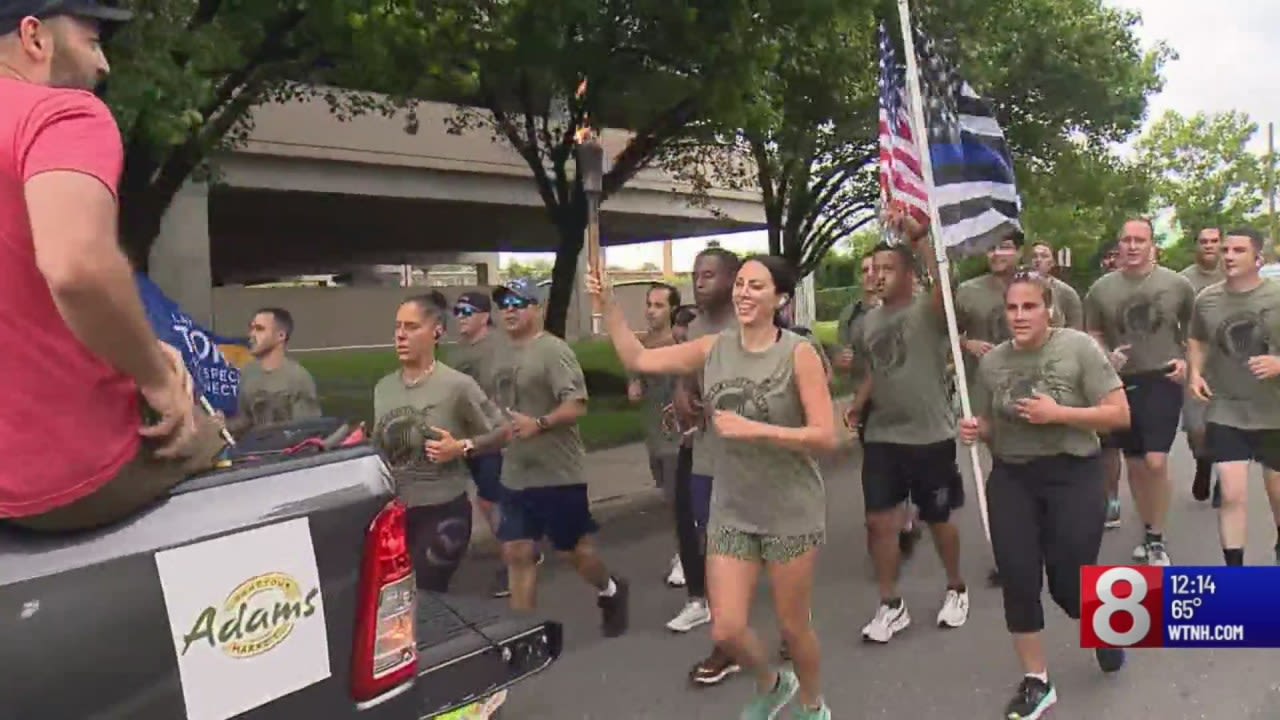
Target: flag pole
x,y
940,249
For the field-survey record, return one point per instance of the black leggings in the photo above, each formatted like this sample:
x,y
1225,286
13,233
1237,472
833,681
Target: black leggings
x,y
690,535
438,538
1047,517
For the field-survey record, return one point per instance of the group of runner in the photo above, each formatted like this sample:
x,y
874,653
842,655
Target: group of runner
x,y
1068,393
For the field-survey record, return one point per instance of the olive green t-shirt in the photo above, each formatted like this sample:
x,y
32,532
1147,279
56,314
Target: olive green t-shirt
x,y
534,378
282,395
444,399
906,352
761,487
1233,327
661,438
1148,313
850,324
704,454
1069,367
1200,279
479,359
1068,309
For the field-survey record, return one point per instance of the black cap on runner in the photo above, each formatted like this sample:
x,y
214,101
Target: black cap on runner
x,y
107,12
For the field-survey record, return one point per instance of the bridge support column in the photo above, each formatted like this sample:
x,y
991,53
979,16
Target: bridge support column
x,y
180,260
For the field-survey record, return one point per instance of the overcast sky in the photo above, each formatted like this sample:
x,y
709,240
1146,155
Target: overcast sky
x,y
1225,49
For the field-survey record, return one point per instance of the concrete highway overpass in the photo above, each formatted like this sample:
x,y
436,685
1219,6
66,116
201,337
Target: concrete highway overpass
x,y
308,193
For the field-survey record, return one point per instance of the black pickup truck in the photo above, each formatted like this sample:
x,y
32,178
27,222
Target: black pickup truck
x,y
278,590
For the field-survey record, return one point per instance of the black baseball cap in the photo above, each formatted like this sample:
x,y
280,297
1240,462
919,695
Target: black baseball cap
x,y
525,288
476,301
107,12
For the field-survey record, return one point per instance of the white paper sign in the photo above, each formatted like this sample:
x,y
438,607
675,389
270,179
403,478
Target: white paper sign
x,y
247,617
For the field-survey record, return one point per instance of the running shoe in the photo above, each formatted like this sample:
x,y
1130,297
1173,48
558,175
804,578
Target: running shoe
x,y
1109,659
1157,555
714,669
501,586
888,621
1113,514
694,614
955,609
1140,552
766,706
803,713
615,612
675,575
1031,700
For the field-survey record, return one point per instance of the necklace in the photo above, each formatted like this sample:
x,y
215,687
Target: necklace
x,y
418,380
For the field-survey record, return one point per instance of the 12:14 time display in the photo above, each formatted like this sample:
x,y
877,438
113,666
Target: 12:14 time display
x,y
1191,584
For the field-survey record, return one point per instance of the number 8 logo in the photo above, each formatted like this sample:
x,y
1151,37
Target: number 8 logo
x,y
1112,605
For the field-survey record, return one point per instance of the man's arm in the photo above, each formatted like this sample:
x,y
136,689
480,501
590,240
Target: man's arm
x,y
71,162
73,228
306,401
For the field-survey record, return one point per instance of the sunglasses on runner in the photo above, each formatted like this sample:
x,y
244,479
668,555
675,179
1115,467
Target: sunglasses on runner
x,y
513,302
464,311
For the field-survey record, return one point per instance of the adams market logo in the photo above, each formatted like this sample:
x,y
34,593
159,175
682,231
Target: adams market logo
x,y
257,616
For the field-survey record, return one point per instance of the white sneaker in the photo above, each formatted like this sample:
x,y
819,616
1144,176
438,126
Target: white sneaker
x,y
694,614
887,622
675,577
955,609
1140,552
1157,555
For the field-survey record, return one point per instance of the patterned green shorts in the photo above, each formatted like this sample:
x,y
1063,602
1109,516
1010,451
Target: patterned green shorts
x,y
758,547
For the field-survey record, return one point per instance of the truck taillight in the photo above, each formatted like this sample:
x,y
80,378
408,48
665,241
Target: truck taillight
x,y
385,653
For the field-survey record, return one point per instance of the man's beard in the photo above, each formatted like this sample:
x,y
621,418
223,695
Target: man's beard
x,y
63,73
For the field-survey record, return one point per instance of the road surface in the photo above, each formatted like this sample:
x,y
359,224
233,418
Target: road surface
x,y
925,673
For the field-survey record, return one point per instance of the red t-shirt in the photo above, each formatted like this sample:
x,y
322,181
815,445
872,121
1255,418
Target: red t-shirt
x,y
68,419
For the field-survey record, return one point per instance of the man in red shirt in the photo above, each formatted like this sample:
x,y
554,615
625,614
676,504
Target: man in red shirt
x,y
79,360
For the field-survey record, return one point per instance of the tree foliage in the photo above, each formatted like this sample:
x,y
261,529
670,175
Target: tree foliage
x,y
1204,169
1061,74
187,74
655,67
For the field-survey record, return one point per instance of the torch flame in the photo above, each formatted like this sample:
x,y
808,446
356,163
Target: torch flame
x,y
584,133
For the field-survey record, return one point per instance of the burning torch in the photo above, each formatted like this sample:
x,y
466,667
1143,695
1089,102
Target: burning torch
x,y
590,157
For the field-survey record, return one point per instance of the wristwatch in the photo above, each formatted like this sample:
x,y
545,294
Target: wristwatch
x,y
543,423
468,447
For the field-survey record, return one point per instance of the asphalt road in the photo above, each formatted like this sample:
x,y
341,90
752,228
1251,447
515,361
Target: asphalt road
x,y
925,672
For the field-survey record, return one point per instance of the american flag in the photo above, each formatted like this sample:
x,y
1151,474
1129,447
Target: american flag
x,y
974,187
900,176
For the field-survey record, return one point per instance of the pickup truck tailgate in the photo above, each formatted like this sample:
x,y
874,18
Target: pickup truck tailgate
x,y
147,619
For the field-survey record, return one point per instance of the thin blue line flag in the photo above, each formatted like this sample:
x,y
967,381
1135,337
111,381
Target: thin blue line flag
x,y
213,360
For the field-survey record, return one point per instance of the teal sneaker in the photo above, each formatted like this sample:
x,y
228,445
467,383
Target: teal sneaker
x,y
804,713
768,705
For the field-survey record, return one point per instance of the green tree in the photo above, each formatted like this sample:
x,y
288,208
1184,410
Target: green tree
x,y
187,74
1058,72
1204,169
654,67
536,270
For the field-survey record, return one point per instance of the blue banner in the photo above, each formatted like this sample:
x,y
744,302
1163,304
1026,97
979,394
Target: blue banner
x,y
214,361
1221,607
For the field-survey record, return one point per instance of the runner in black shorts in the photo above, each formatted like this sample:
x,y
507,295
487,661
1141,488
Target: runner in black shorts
x,y
909,447
1040,400
541,388
1140,315
1235,361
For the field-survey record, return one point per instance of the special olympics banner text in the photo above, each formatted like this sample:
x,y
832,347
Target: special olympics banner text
x,y
1179,607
